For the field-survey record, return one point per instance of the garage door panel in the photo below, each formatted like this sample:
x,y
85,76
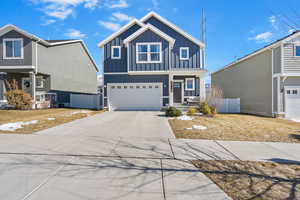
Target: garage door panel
x,y
292,103
135,96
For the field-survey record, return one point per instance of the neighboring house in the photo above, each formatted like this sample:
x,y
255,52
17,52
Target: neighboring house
x,y
49,70
151,63
267,81
100,83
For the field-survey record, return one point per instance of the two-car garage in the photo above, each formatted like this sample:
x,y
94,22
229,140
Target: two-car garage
x,y
135,96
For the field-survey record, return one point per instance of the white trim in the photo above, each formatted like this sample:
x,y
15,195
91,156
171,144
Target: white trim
x,y
278,94
13,39
272,71
166,97
18,67
147,72
115,73
165,21
188,79
188,53
282,58
148,44
182,90
121,30
112,52
152,28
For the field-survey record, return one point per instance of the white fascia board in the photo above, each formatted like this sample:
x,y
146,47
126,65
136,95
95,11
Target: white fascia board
x,y
64,42
10,27
173,26
121,30
17,67
155,30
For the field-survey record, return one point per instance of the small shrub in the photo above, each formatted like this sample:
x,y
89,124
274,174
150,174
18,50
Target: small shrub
x,y
204,108
192,111
173,112
213,110
18,98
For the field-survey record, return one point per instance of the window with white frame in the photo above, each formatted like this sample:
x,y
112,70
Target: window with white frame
x,y
116,52
148,53
297,50
184,53
189,84
39,83
13,48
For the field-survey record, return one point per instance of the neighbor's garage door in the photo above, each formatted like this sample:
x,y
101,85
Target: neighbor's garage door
x,y
135,96
292,98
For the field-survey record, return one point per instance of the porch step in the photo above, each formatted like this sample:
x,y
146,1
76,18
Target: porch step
x,y
183,107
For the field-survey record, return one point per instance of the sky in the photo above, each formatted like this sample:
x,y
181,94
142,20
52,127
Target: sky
x,y
233,27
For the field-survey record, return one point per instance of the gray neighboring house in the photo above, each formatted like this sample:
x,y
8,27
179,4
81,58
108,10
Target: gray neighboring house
x,y
267,81
150,63
49,70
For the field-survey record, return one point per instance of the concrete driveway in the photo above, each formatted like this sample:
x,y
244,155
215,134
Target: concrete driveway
x,y
129,124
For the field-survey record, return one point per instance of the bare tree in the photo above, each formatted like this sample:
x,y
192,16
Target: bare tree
x,y
213,96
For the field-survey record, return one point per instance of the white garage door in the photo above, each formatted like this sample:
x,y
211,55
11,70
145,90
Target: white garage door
x,y
292,98
135,96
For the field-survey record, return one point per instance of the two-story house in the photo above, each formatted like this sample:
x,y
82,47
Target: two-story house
x,y
49,70
267,81
151,63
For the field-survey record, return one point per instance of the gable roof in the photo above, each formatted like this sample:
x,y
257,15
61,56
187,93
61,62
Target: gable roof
x,y
267,47
152,28
49,43
121,30
171,25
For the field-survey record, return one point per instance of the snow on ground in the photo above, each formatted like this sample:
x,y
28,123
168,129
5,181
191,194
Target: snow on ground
x,y
197,127
184,117
296,120
16,125
80,112
51,118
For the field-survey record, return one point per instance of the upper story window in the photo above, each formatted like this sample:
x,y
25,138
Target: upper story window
x,y
297,50
148,53
116,52
13,48
189,84
184,53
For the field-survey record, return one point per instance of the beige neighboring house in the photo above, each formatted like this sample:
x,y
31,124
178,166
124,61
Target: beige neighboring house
x,y
267,81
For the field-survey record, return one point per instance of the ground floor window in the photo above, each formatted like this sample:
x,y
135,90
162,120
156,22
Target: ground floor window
x,y
189,84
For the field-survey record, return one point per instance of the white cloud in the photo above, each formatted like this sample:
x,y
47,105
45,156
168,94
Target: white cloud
x,y
117,4
291,31
110,25
155,5
73,33
273,21
48,22
118,16
262,37
61,9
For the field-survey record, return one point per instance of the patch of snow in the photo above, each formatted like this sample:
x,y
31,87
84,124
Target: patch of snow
x,y
16,125
197,127
296,120
51,118
185,117
80,112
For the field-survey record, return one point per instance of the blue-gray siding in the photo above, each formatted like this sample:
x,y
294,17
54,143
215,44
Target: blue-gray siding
x,y
149,36
117,65
180,41
190,92
27,50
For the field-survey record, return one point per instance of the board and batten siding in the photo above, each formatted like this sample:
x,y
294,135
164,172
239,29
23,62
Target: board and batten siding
x,y
180,41
149,36
117,65
27,50
251,81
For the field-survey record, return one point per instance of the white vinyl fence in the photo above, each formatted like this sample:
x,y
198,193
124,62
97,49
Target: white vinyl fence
x,y
93,101
228,105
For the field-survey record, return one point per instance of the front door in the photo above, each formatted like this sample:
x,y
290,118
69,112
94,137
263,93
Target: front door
x,y
177,92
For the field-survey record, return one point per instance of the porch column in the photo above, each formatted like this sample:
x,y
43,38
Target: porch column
x,y
202,92
170,90
33,88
